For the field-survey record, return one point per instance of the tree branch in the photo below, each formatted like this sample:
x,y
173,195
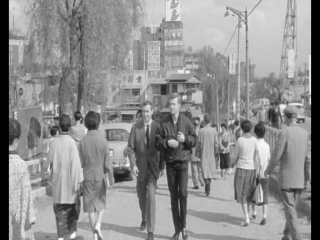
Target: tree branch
x,y
61,14
76,8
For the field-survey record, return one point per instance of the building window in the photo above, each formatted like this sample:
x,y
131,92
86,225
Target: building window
x,y
191,87
156,89
163,89
135,92
174,88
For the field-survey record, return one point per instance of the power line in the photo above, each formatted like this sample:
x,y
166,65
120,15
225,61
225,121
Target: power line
x,y
254,7
230,40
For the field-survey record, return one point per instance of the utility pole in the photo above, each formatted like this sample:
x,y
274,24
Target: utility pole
x,y
13,19
228,106
238,59
247,63
217,93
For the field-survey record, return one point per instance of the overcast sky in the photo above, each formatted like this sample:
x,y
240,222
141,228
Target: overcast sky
x,y
204,24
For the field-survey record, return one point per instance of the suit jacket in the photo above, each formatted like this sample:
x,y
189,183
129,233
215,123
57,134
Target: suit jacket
x,y
140,154
293,152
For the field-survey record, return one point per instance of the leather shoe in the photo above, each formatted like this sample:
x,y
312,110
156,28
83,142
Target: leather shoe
x,y
143,226
195,187
150,236
175,236
184,234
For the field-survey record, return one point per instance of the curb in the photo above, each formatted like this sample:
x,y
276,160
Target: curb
x,y
303,206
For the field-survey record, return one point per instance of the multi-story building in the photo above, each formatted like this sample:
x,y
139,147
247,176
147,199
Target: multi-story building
x,y
191,60
16,53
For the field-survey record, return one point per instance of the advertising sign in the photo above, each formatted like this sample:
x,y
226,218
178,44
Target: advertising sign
x,y
156,74
173,10
291,63
232,63
154,55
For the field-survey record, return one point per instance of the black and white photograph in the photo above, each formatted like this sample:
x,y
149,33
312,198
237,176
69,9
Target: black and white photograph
x,y
159,119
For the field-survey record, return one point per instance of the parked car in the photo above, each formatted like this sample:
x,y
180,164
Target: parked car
x,y
117,135
301,112
256,104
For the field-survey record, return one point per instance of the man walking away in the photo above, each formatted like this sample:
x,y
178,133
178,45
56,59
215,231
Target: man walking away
x,y
292,151
262,114
195,160
175,138
146,164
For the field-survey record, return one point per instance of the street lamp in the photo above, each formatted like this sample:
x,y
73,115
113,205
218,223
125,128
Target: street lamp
x,y
242,17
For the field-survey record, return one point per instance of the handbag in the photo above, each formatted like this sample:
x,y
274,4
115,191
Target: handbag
x,y
258,195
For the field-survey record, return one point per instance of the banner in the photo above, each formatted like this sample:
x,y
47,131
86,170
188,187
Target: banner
x,y
154,55
173,10
232,63
291,59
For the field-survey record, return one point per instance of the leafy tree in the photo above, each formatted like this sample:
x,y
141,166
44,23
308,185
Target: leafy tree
x,y
81,40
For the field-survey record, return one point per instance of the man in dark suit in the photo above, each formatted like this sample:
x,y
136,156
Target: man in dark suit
x,y
146,165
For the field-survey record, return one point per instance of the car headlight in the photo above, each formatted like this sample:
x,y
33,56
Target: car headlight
x,y
111,153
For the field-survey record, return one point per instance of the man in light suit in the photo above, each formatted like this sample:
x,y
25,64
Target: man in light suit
x,y
146,165
292,151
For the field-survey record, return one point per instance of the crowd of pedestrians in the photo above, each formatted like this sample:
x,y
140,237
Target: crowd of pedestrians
x,y
78,157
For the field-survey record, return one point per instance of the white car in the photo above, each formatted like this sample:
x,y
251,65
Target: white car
x,y
117,135
301,112
256,104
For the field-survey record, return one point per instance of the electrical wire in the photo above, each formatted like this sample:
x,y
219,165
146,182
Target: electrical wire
x,y
254,7
230,40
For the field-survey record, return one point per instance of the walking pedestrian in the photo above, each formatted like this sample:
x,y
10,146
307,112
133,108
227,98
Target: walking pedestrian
x,y
66,178
264,149
245,154
208,139
146,165
175,138
293,153
232,145
262,114
224,146
96,163
21,211
237,129
195,160
78,130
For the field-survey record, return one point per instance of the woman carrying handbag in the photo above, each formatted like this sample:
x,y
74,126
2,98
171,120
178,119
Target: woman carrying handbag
x,y
264,150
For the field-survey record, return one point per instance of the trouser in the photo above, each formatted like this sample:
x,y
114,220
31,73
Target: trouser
x,y
290,199
196,173
146,191
177,176
207,182
65,218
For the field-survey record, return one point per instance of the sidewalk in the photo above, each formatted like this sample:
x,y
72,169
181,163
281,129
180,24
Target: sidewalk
x,y
215,217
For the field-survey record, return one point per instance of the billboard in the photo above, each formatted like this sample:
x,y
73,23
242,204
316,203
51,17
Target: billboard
x,y
232,63
173,10
154,55
291,59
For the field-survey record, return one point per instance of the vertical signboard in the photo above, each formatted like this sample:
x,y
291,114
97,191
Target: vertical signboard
x,y
173,10
310,79
291,63
232,64
154,55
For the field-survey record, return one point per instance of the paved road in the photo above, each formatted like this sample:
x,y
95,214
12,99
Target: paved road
x,y
217,217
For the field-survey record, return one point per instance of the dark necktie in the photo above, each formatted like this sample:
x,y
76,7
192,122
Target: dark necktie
x,y
147,135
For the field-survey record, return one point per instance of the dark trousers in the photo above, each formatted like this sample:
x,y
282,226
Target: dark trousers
x,y
290,199
207,183
177,175
146,191
65,218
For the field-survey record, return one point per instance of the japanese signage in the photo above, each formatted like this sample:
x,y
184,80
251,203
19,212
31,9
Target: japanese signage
x,y
154,55
232,64
173,43
156,74
291,59
173,34
173,10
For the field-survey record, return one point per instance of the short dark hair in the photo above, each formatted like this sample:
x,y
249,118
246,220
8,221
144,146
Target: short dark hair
x,y
260,129
91,121
56,118
207,118
214,125
246,126
77,115
54,130
64,122
224,125
174,96
236,123
146,103
14,130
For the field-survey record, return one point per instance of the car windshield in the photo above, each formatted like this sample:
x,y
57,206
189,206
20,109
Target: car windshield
x,y
117,135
